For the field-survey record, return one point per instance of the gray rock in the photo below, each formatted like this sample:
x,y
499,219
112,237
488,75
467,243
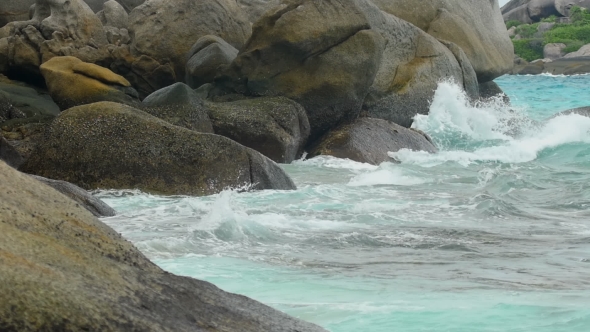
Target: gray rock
x,y
492,90
97,207
117,36
568,66
179,105
60,262
564,6
9,154
254,9
274,126
553,51
113,15
544,27
14,10
585,111
205,58
539,9
520,14
113,146
583,51
369,140
180,23
512,32
476,26
29,101
128,5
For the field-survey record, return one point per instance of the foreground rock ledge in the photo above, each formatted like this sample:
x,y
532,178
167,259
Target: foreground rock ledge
x,y
114,146
61,269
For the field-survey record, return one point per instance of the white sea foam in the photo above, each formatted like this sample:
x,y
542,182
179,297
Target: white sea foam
x,y
385,176
452,114
333,162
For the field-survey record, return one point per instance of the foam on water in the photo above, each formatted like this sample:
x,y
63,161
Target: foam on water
x,y
489,234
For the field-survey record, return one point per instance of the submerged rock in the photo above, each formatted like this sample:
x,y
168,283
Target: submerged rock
x,y
72,82
64,270
274,126
369,140
109,145
179,105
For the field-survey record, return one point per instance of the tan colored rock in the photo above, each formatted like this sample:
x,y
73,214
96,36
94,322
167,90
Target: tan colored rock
x,y
61,269
553,51
474,25
72,82
180,23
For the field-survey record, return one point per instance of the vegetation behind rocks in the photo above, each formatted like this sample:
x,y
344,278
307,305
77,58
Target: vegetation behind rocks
x,y
529,41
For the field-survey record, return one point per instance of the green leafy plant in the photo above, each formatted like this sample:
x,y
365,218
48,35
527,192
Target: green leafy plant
x,y
528,49
550,19
513,23
527,30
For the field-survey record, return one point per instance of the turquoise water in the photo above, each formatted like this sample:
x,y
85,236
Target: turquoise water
x,y
490,234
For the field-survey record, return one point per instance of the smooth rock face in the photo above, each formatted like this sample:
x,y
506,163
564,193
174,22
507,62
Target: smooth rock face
x,y
113,15
539,9
553,51
322,54
97,207
476,26
180,23
179,105
61,269
274,126
108,145
9,154
583,51
28,100
205,59
254,9
492,90
368,140
72,82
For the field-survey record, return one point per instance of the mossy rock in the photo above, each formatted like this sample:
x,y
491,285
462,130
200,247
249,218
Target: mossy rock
x,y
277,127
114,146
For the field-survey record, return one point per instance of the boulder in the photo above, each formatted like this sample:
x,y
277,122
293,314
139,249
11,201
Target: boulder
x,y
539,9
553,51
583,51
205,59
274,126
7,109
179,105
31,102
490,89
109,145
568,66
113,15
72,82
520,14
97,207
585,111
564,6
166,29
9,154
338,57
64,270
97,5
368,140
321,54
476,26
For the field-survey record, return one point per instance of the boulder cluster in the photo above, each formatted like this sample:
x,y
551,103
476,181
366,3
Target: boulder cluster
x,y
185,97
530,11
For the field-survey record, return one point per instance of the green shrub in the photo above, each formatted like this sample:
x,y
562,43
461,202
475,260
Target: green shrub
x,y
579,16
527,31
513,23
550,19
563,33
573,46
528,49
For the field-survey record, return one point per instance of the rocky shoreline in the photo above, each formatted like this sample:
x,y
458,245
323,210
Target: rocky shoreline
x,y
182,97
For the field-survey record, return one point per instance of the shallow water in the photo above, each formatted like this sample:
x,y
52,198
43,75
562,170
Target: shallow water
x,y
490,234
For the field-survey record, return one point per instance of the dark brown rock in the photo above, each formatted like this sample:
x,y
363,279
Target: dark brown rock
x,y
369,140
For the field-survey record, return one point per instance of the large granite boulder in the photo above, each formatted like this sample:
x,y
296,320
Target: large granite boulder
x,y
97,207
61,269
166,29
528,11
369,140
254,9
277,127
205,59
338,57
113,15
72,82
474,25
109,145
179,105
553,51
583,51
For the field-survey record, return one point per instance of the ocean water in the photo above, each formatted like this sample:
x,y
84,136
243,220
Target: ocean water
x,y
490,234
